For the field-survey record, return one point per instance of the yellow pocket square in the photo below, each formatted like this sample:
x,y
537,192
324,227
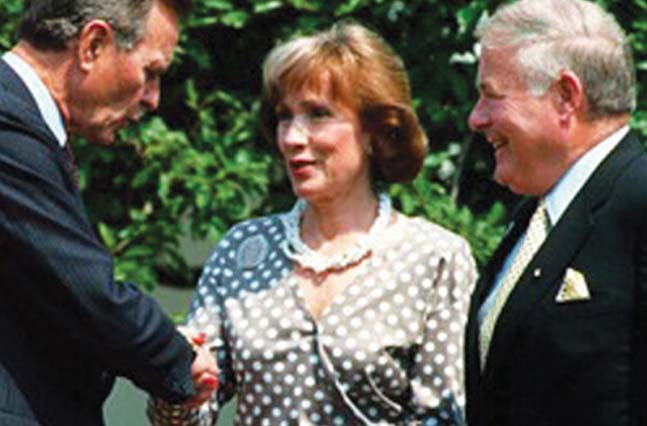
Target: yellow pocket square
x,y
573,287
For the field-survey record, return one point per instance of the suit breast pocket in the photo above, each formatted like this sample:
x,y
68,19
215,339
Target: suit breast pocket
x,y
573,309
582,330
584,295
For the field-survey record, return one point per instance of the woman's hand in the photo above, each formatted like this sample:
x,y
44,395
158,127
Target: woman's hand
x,y
204,369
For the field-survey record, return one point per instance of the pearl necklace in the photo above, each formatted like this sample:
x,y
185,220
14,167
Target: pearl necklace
x,y
297,250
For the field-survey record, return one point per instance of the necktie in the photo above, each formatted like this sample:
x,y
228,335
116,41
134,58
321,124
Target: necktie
x,y
535,235
70,165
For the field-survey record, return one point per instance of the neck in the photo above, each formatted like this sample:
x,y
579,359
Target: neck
x,y
579,139
345,215
601,129
591,133
345,249
52,67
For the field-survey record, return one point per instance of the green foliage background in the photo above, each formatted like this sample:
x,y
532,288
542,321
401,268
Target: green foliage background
x,y
200,164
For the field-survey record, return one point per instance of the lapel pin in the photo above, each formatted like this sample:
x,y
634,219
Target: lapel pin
x,y
536,273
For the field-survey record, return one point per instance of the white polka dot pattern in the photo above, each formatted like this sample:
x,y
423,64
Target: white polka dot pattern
x,y
387,351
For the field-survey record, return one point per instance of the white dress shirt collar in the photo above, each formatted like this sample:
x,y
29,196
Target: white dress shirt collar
x,y
561,195
44,100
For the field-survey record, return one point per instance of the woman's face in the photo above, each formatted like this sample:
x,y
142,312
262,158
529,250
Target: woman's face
x,y
323,145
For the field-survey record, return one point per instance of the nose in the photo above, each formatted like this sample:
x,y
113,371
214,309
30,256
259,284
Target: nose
x,y
151,96
479,118
292,133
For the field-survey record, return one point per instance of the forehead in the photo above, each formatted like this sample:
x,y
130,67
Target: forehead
x,y
498,68
319,88
161,36
322,84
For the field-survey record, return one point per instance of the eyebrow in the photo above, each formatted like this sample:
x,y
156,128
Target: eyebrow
x,y
484,85
307,103
478,83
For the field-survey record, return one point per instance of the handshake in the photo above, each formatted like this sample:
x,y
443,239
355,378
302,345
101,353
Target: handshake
x,y
204,369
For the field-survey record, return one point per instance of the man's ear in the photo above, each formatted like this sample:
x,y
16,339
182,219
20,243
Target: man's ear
x,y
95,38
569,94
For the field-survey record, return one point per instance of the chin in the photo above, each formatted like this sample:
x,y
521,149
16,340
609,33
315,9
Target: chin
x,y
519,188
302,189
504,175
308,194
101,139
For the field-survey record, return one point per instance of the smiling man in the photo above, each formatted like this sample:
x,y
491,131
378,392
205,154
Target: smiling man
x,y
81,68
557,324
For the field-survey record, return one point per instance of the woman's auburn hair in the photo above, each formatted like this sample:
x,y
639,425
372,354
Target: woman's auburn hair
x,y
366,75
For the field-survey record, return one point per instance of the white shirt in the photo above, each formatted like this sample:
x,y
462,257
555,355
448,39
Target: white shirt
x,y
558,199
44,100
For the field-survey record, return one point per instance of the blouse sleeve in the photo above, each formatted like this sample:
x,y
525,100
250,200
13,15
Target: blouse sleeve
x,y
206,316
437,372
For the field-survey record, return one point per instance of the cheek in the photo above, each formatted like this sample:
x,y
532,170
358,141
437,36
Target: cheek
x,y
282,148
507,117
130,83
133,93
344,141
322,146
279,136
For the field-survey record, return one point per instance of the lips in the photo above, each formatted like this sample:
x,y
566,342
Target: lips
x,y
123,123
496,143
129,119
300,165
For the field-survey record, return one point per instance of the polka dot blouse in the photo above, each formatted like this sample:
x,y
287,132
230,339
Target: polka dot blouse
x,y
387,351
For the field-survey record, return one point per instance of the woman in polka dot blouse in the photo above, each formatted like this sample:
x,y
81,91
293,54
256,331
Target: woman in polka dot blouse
x,y
341,311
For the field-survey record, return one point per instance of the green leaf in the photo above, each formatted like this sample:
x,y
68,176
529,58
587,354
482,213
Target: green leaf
x,y
138,251
218,4
305,5
236,19
349,7
107,235
267,6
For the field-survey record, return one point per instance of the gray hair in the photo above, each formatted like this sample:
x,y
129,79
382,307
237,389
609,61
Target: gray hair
x,y
50,24
577,35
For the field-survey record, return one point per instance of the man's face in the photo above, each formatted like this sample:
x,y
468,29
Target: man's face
x,y
123,84
522,128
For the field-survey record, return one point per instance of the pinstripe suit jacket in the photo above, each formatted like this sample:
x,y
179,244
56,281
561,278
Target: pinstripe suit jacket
x,y
66,328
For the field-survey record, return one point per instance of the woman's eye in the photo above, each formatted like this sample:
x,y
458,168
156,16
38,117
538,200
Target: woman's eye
x,y
283,115
319,113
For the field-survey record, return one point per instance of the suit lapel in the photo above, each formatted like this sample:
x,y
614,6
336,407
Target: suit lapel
x,y
19,110
515,230
543,273
12,83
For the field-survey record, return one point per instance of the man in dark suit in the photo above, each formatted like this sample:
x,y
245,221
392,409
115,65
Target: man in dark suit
x,y
556,330
82,67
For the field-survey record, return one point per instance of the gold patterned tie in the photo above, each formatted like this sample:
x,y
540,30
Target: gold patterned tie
x,y
535,235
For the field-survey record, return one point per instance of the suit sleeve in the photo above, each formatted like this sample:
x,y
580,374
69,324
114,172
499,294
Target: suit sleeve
x,y
206,316
62,278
